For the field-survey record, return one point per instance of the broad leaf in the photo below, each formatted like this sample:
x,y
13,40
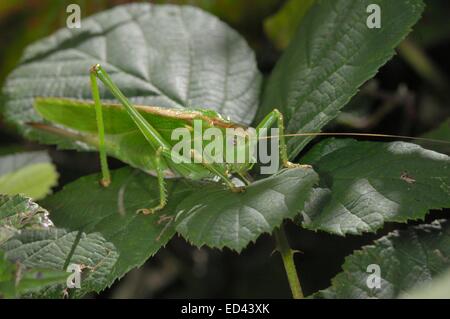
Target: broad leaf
x,y
56,249
16,280
365,184
219,218
331,55
28,239
407,260
204,213
18,204
85,205
161,55
438,288
18,212
28,173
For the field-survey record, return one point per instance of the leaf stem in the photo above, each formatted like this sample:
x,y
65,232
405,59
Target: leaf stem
x,y
287,255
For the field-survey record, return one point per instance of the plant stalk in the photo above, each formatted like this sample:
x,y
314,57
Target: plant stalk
x,y
287,255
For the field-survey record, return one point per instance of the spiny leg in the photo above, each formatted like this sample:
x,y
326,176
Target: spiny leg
x,y
106,176
277,117
161,186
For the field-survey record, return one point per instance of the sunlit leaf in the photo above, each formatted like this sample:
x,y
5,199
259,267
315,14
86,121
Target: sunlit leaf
x,y
28,173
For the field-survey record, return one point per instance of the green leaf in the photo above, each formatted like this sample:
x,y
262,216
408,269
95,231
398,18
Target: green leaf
x,y
163,55
16,280
281,27
85,205
7,278
407,259
219,218
18,212
18,204
438,288
331,55
365,184
205,213
28,173
42,253
56,249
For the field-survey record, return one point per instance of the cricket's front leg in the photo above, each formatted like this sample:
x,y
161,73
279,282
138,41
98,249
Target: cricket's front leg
x,y
161,187
148,131
277,117
106,176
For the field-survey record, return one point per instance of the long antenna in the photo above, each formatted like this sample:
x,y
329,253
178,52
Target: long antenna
x,y
59,131
432,140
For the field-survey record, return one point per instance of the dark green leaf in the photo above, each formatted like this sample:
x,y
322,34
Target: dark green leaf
x,y
16,280
55,249
42,253
204,213
365,184
407,260
220,218
18,212
85,205
331,55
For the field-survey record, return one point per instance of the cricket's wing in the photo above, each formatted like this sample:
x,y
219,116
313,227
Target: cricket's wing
x,y
75,120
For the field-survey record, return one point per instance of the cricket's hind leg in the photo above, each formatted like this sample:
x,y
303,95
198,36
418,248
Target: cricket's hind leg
x,y
161,186
276,117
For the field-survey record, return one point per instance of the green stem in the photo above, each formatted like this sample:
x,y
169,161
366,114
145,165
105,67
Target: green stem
x,y
287,255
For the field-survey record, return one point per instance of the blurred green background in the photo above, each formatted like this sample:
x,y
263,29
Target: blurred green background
x,y
409,96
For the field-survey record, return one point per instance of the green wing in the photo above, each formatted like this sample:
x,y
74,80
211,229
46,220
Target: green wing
x,y
76,120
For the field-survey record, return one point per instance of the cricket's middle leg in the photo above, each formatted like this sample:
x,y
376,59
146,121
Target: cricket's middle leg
x,y
209,165
213,168
276,117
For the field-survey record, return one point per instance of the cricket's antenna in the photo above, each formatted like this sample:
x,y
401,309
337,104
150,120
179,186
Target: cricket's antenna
x,y
431,140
